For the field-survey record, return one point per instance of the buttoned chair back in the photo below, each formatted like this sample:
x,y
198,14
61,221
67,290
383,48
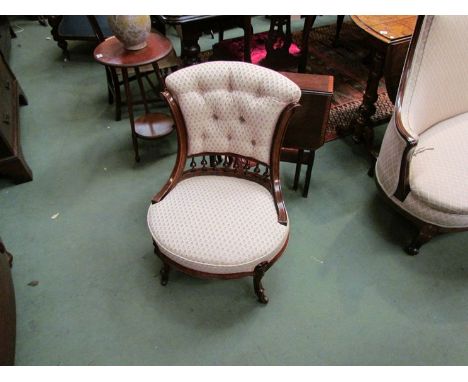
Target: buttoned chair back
x,y
231,107
423,159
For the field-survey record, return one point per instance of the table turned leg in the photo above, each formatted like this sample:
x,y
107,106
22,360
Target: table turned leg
x,y
128,94
190,48
308,24
362,129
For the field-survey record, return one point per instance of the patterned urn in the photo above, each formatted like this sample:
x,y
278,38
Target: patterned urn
x,y
132,31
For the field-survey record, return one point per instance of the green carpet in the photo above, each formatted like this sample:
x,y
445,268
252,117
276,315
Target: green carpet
x,y
344,292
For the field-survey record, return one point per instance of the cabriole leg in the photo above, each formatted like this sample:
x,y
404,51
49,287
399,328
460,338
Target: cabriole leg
x,y
426,233
259,272
164,272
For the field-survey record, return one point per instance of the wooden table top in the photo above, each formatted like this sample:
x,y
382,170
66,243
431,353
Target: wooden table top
x,y
112,52
388,28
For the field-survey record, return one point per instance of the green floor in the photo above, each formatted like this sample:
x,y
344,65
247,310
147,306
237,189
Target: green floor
x,y
344,292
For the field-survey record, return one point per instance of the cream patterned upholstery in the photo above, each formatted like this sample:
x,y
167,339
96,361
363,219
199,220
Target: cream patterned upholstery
x,y
231,106
438,80
217,224
435,111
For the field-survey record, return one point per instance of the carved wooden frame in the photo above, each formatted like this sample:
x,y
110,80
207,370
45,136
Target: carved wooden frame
x,y
425,230
227,164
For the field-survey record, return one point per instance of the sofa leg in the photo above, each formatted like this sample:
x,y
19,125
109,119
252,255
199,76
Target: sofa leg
x,y
426,233
259,272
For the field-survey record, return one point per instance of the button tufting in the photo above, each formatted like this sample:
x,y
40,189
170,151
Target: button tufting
x,y
215,117
229,137
242,119
253,142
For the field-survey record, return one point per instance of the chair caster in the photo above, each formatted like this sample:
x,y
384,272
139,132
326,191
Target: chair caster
x,y
259,272
164,272
262,298
412,250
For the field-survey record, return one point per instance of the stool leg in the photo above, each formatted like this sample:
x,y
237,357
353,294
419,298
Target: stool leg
x,y
300,156
142,89
117,96
110,87
128,94
310,164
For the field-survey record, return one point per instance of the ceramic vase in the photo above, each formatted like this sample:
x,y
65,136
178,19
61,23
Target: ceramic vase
x,y
131,31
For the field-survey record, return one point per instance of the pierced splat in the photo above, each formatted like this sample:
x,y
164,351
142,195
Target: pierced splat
x,y
230,165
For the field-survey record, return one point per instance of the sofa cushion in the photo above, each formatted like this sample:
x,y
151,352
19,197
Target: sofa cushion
x,y
439,166
217,224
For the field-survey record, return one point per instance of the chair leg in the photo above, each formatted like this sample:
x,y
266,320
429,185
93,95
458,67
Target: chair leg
x,y
339,24
259,272
297,174
310,164
164,272
426,233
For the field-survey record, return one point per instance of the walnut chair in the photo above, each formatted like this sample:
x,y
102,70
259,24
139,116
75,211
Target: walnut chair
x,y
423,163
224,217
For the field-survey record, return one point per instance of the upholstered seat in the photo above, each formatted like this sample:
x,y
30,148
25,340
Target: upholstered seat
x,y
439,166
190,225
422,166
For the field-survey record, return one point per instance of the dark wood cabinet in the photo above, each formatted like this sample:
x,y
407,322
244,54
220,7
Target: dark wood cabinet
x,y
12,162
7,310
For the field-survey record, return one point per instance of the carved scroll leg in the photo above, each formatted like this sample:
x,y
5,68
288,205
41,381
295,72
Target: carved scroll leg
x,y
259,272
426,233
164,272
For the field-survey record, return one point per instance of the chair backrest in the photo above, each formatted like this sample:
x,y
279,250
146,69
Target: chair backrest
x,y
231,107
436,87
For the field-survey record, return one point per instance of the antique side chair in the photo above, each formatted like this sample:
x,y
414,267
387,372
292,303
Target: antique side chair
x,y
422,167
222,215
